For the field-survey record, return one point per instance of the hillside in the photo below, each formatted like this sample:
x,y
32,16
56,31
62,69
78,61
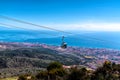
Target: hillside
x,y
20,58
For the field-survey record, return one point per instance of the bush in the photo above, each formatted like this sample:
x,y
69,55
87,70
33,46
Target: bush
x,y
42,75
22,77
109,71
54,65
78,74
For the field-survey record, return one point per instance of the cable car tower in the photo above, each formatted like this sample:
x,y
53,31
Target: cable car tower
x,y
63,44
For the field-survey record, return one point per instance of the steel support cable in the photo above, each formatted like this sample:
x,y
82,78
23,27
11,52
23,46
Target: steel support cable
x,y
37,25
76,38
13,26
29,23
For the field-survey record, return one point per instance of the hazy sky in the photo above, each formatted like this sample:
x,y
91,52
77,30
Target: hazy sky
x,y
103,15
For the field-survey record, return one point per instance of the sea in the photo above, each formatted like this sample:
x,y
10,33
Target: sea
x,y
84,39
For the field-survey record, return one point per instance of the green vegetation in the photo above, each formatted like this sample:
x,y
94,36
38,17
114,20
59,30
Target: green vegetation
x,y
54,65
33,57
78,74
30,60
39,63
55,71
109,71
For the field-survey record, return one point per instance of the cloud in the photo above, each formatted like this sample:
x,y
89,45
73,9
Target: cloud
x,y
85,26
88,26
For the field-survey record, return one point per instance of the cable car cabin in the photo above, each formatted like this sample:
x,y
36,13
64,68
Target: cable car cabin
x,y
64,44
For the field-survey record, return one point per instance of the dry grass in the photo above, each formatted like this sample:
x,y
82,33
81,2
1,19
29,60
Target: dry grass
x,y
11,78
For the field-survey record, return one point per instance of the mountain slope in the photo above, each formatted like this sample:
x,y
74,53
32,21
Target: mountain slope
x,y
20,58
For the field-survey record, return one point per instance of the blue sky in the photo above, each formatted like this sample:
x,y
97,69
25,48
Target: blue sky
x,y
65,14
